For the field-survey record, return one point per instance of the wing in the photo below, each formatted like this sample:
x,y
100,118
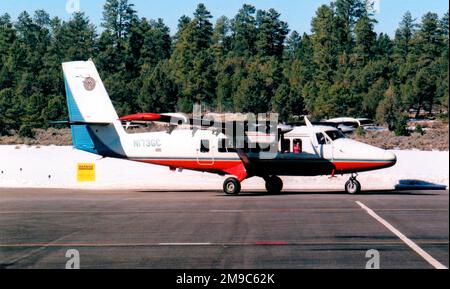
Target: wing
x,y
178,119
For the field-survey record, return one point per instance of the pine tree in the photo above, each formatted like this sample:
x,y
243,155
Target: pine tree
x,y
193,60
403,37
155,42
221,38
323,41
443,78
271,33
347,14
365,39
243,28
243,64
78,38
159,92
118,16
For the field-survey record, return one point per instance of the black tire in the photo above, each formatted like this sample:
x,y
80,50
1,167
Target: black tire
x,y
353,187
274,185
232,186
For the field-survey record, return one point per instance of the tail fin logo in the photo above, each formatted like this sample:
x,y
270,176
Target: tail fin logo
x,y
89,84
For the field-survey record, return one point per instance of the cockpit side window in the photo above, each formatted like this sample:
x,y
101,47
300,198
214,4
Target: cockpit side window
x,y
335,134
321,139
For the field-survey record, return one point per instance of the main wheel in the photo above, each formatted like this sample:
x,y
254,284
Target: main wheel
x,y
353,187
232,186
274,185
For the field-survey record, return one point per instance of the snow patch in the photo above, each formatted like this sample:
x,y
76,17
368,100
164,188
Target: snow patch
x,y
56,167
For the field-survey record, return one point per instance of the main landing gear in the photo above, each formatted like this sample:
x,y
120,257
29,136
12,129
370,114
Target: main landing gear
x,y
232,186
352,186
274,185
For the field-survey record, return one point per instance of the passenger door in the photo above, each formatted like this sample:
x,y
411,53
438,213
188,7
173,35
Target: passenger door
x,y
205,153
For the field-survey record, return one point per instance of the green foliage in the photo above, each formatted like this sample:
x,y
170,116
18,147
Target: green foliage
x,y
159,92
271,33
419,129
365,39
255,92
118,16
324,41
401,125
244,31
26,131
389,109
193,59
248,63
360,131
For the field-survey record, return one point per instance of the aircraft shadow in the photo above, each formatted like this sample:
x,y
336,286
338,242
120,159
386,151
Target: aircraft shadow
x,y
419,185
363,193
412,192
403,188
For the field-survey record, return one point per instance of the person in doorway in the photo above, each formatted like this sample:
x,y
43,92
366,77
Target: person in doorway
x,y
297,146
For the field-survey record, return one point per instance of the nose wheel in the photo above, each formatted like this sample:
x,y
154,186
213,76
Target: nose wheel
x,y
232,186
274,185
352,186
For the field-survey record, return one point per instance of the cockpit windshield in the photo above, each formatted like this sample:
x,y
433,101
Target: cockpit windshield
x,y
335,134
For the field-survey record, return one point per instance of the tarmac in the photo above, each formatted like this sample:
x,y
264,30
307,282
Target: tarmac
x,y
208,230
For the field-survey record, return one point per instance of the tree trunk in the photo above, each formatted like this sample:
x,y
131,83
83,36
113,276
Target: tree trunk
x,y
418,111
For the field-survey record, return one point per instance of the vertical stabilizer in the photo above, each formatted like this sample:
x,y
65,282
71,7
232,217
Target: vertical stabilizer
x,y
99,130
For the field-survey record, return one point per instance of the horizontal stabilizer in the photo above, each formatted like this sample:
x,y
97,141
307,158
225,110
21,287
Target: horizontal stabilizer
x,y
74,123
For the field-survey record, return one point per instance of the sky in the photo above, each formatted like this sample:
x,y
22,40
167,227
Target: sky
x,y
297,13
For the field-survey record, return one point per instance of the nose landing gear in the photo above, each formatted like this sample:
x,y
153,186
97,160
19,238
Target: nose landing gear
x,y
352,186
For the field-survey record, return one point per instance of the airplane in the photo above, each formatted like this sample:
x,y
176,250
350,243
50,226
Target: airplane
x,y
309,150
345,124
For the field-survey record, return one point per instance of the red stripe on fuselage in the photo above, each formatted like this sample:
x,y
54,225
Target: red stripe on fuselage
x,y
222,166
355,166
193,164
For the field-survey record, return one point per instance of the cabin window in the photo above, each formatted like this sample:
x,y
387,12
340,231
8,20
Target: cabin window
x,y
204,146
286,146
222,146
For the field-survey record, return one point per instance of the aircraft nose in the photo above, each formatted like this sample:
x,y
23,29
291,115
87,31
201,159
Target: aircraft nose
x,y
390,157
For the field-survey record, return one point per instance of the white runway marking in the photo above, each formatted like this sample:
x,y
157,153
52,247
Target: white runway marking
x,y
254,243
198,211
433,262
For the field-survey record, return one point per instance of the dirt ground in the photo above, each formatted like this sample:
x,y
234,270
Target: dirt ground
x,y
51,136
429,141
